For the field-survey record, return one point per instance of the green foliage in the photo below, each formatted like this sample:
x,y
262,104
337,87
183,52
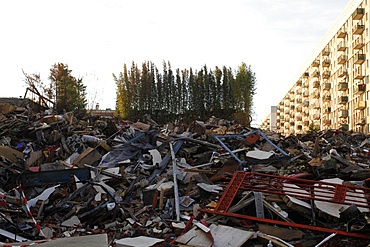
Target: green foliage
x,y
68,92
313,128
185,93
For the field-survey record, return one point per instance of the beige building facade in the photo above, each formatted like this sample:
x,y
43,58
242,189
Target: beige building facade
x,y
331,91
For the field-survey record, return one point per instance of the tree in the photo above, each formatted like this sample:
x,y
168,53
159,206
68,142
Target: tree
x,y
124,95
243,90
68,92
218,96
185,92
226,96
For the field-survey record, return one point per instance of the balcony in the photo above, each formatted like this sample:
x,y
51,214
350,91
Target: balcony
x,y
358,43
343,114
316,94
316,63
358,29
360,89
360,105
326,98
316,84
343,100
342,86
326,122
299,108
305,84
359,58
326,51
358,75
361,121
326,62
341,46
342,71
358,14
326,86
326,74
316,104
327,110
341,33
306,113
342,59
316,74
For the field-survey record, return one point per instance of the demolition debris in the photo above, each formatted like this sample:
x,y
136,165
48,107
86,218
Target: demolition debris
x,y
99,181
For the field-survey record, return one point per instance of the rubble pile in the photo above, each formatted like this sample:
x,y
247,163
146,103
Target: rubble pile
x,y
108,182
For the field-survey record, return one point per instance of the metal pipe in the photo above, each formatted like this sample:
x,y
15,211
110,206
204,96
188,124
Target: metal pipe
x,y
175,187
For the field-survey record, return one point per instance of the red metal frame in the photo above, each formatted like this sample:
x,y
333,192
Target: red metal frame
x,y
230,192
301,188
272,184
290,224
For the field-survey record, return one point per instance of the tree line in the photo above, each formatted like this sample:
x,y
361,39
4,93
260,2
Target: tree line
x,y
166,95
172,94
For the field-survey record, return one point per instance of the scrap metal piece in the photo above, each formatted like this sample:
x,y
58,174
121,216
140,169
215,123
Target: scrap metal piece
x,y
252,133
175,187
288,224
258,202
12,236
230,192
272,184
166,160
49,177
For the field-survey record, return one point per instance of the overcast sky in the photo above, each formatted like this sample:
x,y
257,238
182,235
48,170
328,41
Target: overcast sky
x,y
95,38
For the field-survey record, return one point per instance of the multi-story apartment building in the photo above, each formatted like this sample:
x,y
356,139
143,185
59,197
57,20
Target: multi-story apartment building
x,y
332,91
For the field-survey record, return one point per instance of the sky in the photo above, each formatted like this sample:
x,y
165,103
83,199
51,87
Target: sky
x,y
95,38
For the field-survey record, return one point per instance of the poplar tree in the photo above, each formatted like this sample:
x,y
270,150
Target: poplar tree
x,y
69,93
218,91
243,91
185,92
